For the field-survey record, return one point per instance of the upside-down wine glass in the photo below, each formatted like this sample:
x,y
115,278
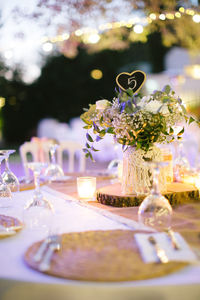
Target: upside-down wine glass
x,y
8,176
39,211
181,163
155,210
5,192
53,171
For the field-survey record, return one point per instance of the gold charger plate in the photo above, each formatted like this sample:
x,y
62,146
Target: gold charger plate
x,y
13,225
107,256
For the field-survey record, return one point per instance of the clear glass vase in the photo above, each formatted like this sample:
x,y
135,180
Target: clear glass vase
x,y
137,174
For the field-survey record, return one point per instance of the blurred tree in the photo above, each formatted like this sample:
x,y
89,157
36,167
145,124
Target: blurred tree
x,y
66,86
176,21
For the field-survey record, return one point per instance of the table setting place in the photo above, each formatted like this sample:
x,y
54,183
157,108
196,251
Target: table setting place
x,y
138,220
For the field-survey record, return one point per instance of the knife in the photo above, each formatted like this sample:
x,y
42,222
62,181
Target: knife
x,y
161,255
174,242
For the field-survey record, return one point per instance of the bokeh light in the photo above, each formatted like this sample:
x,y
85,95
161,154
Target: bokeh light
x,y
96,74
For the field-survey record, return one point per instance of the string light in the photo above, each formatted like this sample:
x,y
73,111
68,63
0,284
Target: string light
x,y
92,36
47,47
170,16
138,28
96,74
182,9
178,14
152,16
196,18
162,17
2,102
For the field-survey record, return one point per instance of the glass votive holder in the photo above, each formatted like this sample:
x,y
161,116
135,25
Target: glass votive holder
x,y
86,187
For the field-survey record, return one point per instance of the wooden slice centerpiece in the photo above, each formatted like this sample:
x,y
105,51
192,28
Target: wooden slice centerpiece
x,y
177,193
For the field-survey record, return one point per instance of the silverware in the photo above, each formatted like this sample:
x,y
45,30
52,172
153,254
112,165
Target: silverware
x,y
9,230
54,245
174,242
161,255
43,247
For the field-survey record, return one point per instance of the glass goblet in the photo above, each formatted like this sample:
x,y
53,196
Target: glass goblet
x,y
5,192
38,212
53,171
155,210
181,163
8,176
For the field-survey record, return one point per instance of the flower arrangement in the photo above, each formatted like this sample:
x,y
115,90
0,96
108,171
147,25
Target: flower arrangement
x,y
135,120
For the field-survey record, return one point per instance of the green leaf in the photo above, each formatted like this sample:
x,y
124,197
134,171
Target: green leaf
x,y
86,121
181,132
87,145
183,109
89,155
93,149
170,109
89,138
85,150
110,130
138,145
102,133
129,92
87,126
167,89
101,120
191,119
165,99
171,131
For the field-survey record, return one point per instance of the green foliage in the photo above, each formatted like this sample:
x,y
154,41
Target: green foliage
x,y
137,121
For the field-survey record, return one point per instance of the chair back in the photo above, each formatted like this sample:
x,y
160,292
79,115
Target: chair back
x,y
24,149
72,148
39,150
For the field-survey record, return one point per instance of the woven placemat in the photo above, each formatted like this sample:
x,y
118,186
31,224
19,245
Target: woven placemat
x,y
8,221
101,256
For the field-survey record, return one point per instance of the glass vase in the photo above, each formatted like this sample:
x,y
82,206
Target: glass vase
x,y
137,174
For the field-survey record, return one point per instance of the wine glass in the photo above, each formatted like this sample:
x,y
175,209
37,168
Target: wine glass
x,y
5,192
53,171
155,210
39,211
181,163
8,176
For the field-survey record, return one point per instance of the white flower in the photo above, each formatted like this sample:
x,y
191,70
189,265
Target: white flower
x,y
154,106
102,104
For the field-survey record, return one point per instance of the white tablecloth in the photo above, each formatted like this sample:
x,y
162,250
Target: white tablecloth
x,y
17,281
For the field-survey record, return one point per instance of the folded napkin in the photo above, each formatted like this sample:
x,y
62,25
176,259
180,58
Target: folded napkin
x,y
148,252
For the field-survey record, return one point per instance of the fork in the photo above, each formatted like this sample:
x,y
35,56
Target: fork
x,y
43,246
9,230
53,245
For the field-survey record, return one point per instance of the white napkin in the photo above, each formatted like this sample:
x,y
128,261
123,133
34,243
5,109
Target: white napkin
x,y
148,253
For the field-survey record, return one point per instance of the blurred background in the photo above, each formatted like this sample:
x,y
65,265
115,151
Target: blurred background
x,y
57,56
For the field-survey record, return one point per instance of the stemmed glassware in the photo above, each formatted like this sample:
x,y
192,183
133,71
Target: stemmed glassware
x,y
8,176
53,171
181,163
5,192
155,210
38,212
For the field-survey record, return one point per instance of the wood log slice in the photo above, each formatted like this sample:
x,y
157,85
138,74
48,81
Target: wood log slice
x,y
177,193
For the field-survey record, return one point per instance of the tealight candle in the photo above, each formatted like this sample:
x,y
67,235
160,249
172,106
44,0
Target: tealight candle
x,y
86,187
